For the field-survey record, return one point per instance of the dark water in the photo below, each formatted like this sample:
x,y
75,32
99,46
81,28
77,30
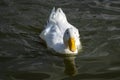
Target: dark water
x,y
23,57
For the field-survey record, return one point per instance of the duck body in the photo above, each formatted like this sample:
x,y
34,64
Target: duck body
x,y
56,32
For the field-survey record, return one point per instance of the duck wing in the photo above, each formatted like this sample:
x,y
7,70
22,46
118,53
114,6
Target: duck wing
x,y
57,21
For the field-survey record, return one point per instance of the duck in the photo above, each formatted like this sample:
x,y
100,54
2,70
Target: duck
x,y
59,35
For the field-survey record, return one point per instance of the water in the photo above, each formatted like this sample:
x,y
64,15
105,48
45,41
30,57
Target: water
x,y
23,57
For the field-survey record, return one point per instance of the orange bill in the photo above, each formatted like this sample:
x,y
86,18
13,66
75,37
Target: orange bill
x,y
71,44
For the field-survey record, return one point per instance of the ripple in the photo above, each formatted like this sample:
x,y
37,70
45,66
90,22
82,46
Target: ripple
x,y
113,28
115,37
28,75
114,68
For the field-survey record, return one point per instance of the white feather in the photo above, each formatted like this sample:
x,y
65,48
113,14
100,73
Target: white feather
x,y
54,32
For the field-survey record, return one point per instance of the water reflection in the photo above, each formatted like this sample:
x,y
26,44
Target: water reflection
x,y
69,63
70,66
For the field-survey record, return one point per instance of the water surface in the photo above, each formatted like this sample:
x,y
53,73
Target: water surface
x,y
23,57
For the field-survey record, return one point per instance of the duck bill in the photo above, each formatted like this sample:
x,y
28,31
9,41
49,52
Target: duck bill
x,y
71,44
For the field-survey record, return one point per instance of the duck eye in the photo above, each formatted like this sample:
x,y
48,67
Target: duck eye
x,y
67,32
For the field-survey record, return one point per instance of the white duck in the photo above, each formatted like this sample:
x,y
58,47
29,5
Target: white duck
x,y
60,35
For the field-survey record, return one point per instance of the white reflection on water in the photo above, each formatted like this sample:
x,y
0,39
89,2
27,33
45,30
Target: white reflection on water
x,y
70,66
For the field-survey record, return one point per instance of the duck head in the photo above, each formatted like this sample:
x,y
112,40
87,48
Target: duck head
x,y
70,39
